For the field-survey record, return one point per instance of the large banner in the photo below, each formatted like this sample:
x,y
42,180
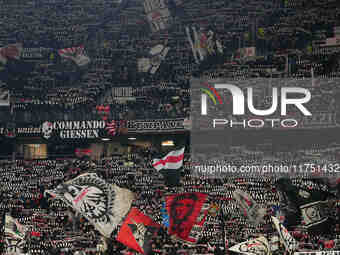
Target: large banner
x,y
102,204
187,214
137,231
93,129
160,125
73,129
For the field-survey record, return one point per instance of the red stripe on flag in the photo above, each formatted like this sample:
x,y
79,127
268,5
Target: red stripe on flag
x,y
169,159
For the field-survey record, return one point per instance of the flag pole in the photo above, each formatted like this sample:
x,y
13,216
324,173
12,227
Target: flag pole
x,y
14,143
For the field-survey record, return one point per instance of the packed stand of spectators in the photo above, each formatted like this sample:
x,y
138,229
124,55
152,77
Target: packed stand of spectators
x,y
290,38
60,230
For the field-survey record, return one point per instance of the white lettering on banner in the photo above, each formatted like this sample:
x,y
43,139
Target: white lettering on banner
x,y
79,129
28,130
91,124
153,125
76,134
32,52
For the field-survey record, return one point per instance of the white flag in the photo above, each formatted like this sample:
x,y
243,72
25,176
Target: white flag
x,y
288,241
14,236
254,212
156,55
103,204
258,246
13,227
173,160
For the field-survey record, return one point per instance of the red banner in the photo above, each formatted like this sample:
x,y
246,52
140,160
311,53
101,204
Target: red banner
x,y
187,213
137,231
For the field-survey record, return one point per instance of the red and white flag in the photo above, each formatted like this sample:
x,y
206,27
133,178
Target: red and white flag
x,y
173,160
10,51
111,128
80,152
76,54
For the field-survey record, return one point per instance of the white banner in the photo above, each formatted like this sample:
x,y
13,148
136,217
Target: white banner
x,y
102,204
258,246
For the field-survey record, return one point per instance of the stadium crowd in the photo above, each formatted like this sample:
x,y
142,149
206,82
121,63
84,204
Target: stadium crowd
x,y
275,39
56,228
239,40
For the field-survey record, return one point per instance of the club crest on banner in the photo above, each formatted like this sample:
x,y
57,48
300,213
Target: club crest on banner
x,y
104,205
314,213
187,214
137,231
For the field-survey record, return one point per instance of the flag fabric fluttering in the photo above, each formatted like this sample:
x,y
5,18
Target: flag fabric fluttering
x,y
257,246
156,55
173,160
314,214
203,44
77,54
13,227
102,204
310,205
252,210
12,51
137,231
288,241
187,215
14,236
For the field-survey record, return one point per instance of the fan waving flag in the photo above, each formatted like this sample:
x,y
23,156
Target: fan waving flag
x,y
187,214
76,54
173,160
103,204
288,241
137,231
